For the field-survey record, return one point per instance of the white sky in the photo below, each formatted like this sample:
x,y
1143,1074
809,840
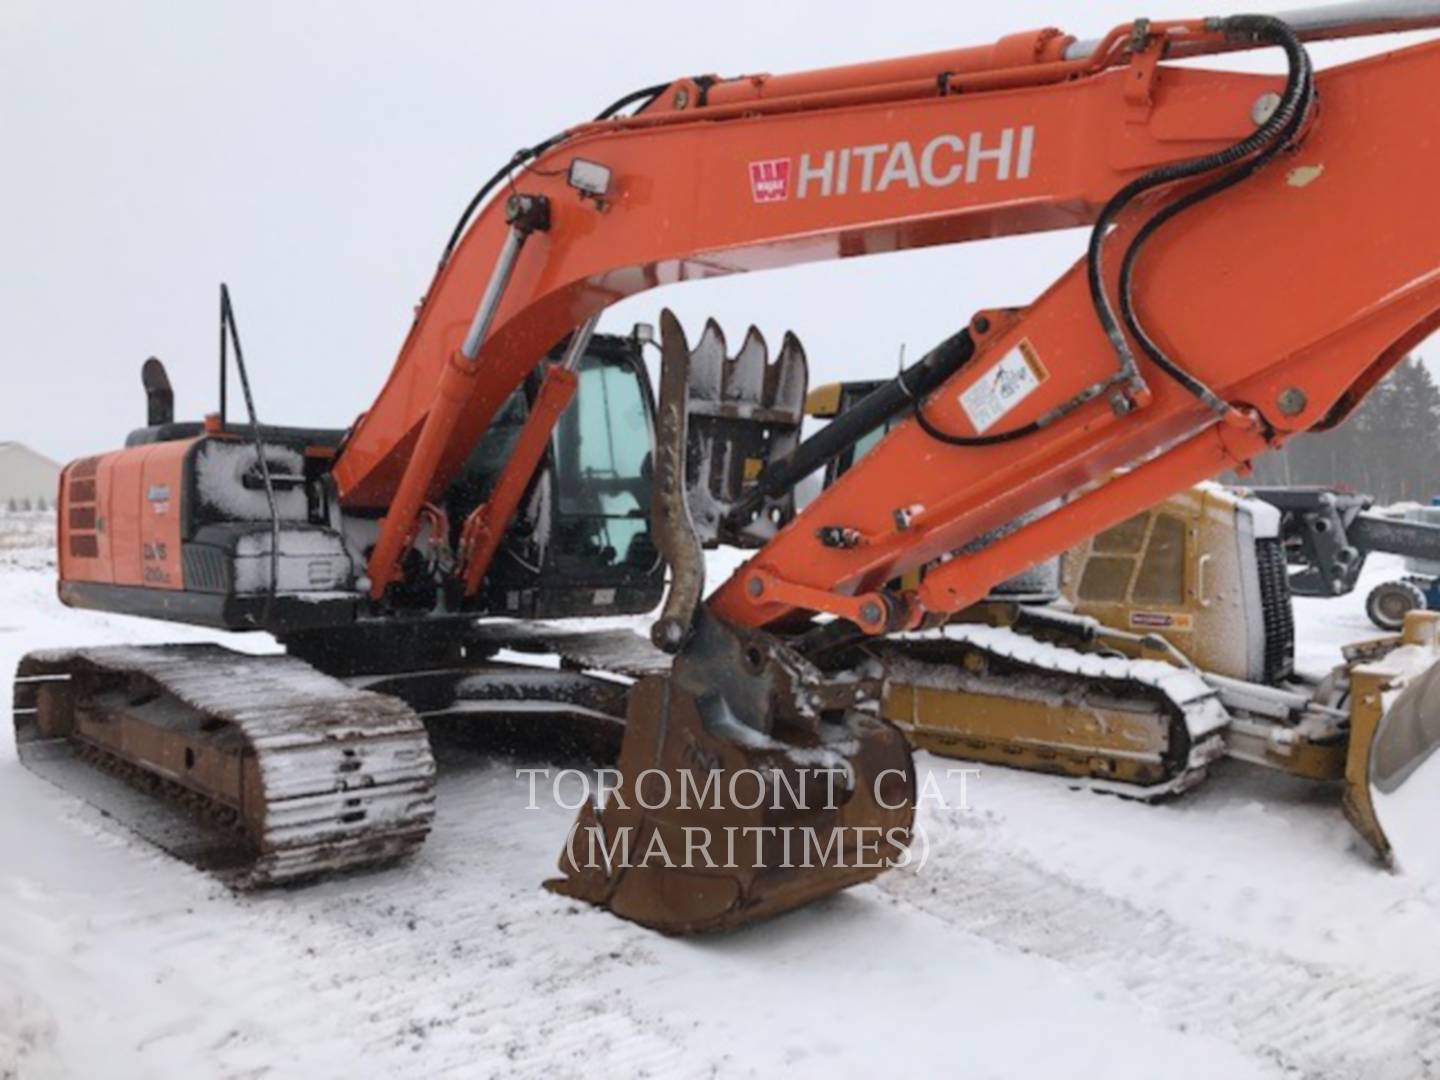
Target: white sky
x,y
315,156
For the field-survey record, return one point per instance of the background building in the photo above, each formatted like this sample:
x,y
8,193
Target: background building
x,y
26,478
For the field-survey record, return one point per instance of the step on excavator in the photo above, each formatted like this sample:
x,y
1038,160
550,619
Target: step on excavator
x,y
1263,249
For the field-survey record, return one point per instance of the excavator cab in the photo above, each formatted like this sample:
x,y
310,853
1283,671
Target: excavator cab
x,y
581,543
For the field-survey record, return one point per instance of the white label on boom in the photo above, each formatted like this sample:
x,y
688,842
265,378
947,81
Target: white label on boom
x,y
1015,377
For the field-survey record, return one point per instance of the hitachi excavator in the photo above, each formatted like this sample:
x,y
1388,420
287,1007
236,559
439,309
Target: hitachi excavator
x,y
1262,250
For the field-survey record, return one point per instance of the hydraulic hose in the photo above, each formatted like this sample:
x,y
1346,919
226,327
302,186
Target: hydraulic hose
x,y
1242,159
530,153
520,157
1268,133
646,94
1274,136
886,401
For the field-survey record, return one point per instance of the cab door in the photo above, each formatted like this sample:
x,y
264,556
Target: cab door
x,y
600,547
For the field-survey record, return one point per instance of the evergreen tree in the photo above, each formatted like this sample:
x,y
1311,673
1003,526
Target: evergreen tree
x,y
1389,447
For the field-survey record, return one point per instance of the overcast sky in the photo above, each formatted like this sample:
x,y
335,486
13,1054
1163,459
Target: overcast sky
x,y
315,156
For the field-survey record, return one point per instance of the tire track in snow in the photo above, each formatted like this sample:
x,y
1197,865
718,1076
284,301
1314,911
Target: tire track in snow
x,y
1312,1019
511,982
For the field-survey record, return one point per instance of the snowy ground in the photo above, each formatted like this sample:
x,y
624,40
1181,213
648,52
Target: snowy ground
x,y
1240,931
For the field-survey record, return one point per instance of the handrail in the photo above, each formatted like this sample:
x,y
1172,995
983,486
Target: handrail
x,y
231,332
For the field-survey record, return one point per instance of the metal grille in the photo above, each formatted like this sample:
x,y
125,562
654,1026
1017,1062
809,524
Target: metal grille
x,y
1278,611
207,569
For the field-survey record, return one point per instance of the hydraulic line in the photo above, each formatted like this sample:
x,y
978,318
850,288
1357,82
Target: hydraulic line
x,y
520,157
647,95
1288,119
530,153
1242,159
886,401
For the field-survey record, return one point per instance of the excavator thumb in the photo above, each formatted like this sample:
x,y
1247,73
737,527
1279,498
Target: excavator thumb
x,y
749,782
1392,773
742,412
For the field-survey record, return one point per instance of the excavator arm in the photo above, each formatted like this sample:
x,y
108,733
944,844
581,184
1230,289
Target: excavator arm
x,y
1263,251
863,160
1287,297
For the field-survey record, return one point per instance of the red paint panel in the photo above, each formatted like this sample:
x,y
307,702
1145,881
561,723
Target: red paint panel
x,y
120,517
161,492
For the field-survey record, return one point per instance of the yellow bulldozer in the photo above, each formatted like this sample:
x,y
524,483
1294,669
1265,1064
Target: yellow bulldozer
x,y
1156,649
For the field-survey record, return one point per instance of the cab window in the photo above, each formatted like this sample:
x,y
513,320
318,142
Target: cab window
x,y
602,470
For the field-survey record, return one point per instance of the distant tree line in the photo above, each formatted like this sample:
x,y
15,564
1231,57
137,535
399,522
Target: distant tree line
x,y
1389,447
24,506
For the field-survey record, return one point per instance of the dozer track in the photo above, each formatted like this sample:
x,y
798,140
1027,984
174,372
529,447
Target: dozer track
x,y
1139,728
258,768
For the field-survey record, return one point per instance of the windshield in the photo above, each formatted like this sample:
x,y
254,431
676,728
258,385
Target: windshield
x,y
602,469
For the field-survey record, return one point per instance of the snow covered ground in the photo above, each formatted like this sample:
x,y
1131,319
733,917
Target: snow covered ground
x,y
1240,931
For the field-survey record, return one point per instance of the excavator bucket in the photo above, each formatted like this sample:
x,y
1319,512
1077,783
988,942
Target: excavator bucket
x,y
748,786
749,782
1392,773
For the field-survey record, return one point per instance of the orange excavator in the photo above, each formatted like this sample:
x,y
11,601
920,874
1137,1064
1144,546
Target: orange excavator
x,y
1263,249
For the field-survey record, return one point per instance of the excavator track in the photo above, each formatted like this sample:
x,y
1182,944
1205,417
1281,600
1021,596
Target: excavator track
x,y
259,769
1139,728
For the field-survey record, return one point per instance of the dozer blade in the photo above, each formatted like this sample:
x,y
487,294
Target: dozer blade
x,y
749,782
1392,772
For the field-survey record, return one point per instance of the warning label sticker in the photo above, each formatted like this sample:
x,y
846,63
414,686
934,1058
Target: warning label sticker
x,y
1016,376
1161,620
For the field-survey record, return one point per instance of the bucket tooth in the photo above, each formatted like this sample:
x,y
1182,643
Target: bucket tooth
x,y
745,371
